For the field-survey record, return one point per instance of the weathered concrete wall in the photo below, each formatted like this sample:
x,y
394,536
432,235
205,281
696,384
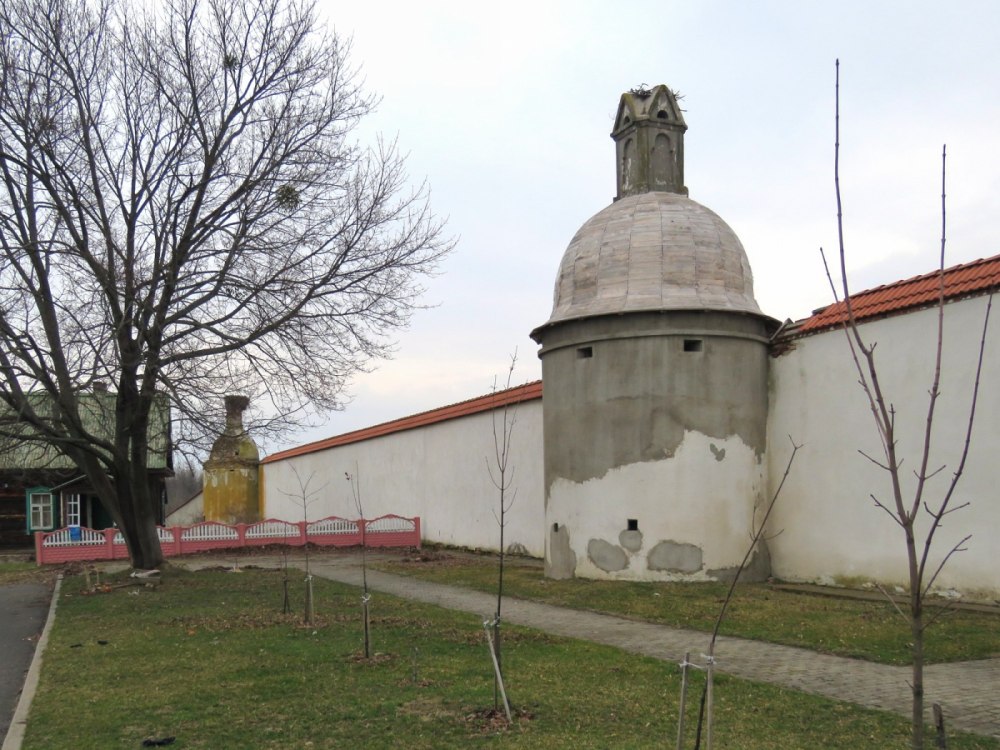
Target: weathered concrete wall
x,y
830,528
438,472
657,418
192,512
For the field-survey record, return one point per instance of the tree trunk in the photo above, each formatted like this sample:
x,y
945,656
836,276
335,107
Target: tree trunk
x,y
138,519
137,516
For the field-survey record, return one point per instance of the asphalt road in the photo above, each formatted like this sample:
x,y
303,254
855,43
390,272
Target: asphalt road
x,y
23,607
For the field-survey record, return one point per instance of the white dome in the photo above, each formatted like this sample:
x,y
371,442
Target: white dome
x,y
653,251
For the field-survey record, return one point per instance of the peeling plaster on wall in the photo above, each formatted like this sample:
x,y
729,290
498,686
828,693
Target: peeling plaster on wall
x,y
675,557
560,562
758,569
629,411
719,453
606,556
708,505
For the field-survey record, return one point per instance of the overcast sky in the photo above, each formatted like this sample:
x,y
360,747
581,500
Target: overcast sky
x,y
505,109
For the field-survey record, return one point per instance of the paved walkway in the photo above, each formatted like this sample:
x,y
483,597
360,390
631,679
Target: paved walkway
x,y
969,692
23,607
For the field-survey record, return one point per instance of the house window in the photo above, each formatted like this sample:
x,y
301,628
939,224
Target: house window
x,y
72,514
41,510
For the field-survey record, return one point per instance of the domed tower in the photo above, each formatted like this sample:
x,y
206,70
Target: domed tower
x,y
655,364
231,473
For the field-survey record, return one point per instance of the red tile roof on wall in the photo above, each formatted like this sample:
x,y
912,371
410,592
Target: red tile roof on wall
x,y
978,277
527,392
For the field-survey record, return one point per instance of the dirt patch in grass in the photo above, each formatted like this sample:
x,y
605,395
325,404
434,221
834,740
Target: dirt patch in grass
x,y
377,658
431,708
494,720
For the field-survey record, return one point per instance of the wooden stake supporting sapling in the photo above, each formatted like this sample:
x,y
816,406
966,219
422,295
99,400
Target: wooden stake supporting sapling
x,y
355,481
286,606
487,625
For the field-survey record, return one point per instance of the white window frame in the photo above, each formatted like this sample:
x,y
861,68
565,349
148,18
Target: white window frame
x,y
73,509
42,509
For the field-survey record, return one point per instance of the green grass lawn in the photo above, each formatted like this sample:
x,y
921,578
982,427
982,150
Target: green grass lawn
x,y
209,659
862,629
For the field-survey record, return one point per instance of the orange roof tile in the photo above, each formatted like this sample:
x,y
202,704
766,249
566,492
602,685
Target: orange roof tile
x,y
977,277
526,392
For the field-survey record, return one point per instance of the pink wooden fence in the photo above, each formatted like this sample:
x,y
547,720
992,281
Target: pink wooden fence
x,y
71,544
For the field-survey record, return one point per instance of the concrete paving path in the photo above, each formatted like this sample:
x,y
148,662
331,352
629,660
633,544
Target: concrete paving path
x,y
969,692
23,607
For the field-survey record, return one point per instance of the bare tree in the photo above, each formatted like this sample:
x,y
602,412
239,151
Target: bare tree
x,y
184,212
502,476
909,501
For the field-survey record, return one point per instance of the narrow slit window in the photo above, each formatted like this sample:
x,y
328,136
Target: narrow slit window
x,y
692,345
585,352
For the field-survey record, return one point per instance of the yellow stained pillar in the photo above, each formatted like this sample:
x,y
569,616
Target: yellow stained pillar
x,y
231,474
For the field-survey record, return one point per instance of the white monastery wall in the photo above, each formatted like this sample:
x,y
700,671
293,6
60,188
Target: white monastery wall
x,y
830,529
438,472
192,512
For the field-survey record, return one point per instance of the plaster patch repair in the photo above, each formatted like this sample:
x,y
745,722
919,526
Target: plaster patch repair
x,y
719,453
757,569
675,557
631,540
608,557
561,559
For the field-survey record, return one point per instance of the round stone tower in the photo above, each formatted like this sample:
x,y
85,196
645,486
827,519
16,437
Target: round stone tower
x,y
231,474
654,363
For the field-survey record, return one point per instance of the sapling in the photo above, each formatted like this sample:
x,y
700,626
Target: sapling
x,y
910,500
305,496
757,536
502,475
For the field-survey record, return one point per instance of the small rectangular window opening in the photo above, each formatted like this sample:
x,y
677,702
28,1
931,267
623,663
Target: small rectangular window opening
x,y
633,524
585,352
692,345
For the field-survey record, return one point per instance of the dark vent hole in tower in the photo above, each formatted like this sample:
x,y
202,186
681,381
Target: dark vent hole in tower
x,y
585,352
692,345
633,524
662,114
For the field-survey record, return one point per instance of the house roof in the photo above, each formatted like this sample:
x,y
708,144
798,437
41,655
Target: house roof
x,y
967,279
19,452
527,392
